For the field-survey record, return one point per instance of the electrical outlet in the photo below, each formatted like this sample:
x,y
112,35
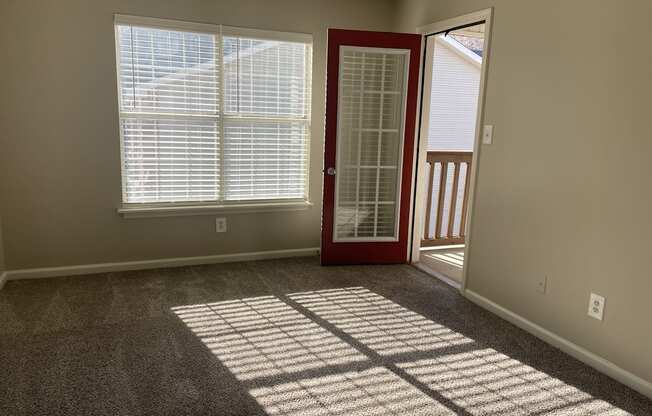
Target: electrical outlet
x,y
596,306
542,283
220,225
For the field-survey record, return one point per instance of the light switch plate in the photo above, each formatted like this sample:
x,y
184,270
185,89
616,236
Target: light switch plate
x,y
488,134
541,284
596,306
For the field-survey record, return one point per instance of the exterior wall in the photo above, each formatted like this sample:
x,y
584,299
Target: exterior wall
x,y
564,190
60,142
454,100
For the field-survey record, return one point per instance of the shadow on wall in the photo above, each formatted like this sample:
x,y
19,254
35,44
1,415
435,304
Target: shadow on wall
x,y
350,351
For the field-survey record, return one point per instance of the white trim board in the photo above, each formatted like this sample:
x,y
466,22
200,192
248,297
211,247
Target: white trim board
x,y
155,264
442,25
3,279
587,357
485,15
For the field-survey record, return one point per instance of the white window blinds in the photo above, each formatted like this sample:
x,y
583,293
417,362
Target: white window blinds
x,y
210,117
266,118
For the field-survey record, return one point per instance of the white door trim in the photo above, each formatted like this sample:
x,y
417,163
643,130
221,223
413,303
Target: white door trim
x,y
485,15
442,25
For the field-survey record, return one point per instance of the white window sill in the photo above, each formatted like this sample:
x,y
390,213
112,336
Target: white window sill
x,y
152,211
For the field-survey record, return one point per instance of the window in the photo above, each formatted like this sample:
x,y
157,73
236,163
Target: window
x,y
212,114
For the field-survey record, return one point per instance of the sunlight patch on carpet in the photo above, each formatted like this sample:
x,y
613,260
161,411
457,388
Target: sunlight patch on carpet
x,y
375,391
485,381
386,360
263,337
380,324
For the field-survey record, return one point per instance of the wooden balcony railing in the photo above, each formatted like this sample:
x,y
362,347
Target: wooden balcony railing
x,y
447,198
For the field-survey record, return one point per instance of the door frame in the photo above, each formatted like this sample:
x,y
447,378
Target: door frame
x,y
485,15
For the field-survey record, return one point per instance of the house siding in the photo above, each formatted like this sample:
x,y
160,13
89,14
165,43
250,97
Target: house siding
x,y
454,100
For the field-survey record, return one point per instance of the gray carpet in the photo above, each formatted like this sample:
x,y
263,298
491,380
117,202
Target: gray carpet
x,y
282,337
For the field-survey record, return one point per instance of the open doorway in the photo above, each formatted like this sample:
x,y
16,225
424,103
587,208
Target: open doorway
x,y
453,80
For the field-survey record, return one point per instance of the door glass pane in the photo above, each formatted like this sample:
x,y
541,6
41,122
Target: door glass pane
x,y
369,143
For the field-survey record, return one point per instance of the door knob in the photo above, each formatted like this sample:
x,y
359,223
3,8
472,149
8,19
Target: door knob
x,y
330,171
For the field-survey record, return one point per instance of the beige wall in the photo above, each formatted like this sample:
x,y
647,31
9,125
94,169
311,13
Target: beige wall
x,y
60,146
565,188
564,191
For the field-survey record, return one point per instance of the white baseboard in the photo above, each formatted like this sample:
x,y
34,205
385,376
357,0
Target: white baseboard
x,y
604,366
3,279
154,264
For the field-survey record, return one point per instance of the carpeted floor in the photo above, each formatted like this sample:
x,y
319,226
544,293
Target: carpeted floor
x,y
282,337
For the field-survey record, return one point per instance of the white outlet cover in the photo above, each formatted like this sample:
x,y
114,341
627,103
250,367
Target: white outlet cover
x,y
220,225
596,306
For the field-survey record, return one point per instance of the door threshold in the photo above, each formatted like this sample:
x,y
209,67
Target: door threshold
x,y
442,247
457,285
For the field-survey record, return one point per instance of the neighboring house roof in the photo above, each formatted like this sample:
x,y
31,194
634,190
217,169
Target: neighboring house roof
x,y
461,50
474,44
471,37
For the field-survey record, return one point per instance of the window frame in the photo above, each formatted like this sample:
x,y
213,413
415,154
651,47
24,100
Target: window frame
x,y
185,208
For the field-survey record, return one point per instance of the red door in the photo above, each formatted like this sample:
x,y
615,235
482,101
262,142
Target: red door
x,y
371,103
